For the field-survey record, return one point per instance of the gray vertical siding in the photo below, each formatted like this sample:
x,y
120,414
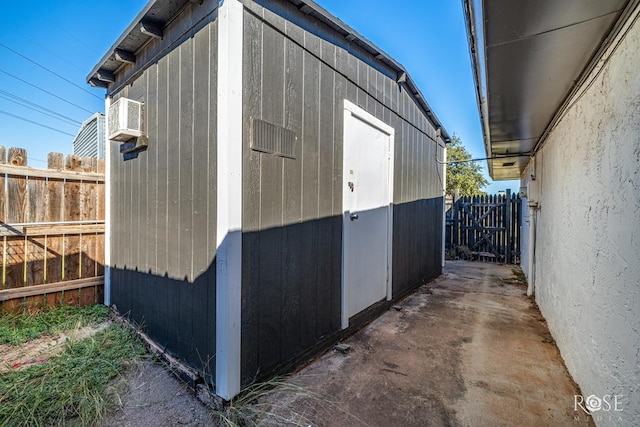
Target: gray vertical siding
x,y
164,201
297,74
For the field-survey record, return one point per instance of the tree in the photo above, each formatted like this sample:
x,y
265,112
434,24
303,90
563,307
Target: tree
x,y
465,176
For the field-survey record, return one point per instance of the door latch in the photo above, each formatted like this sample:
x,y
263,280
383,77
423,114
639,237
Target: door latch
x,y
351,186
353,217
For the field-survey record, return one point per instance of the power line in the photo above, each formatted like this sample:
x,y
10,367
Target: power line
x,y
49,70
66,61
78,39
45,91
36,107
36,123
37,160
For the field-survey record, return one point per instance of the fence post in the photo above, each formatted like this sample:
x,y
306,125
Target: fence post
x,y
507,225
455,239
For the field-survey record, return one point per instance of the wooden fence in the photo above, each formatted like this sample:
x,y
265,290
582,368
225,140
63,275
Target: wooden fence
x,y
51,231
486,227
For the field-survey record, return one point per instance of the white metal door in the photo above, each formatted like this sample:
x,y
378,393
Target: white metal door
x,y
367,214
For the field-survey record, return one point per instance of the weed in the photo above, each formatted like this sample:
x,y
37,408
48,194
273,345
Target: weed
x,y
69,388
518,278
21,327
278,402
459,252
518,275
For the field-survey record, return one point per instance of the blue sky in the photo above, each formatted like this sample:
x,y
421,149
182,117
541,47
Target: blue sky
x,y
69,37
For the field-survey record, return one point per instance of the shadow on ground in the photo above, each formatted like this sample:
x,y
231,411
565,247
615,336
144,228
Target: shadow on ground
x,y
467,349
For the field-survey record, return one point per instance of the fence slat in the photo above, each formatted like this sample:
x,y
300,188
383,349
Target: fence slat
x,y
16,208
87,240
53,212
35,247
71,212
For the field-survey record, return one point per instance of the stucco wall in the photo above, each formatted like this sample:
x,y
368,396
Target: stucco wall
x,y
587,257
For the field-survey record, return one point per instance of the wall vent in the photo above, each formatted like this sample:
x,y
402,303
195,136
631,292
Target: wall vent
x,y
273,139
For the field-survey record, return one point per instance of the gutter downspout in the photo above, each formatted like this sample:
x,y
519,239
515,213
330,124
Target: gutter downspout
x,y
475,37
531,267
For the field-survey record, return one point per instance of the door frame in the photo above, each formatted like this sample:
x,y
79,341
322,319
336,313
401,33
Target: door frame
x,y
352,110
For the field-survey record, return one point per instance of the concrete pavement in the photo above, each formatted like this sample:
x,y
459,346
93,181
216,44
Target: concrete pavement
x,y
469,349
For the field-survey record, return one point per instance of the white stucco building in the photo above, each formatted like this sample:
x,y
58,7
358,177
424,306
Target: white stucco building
x,y
559,95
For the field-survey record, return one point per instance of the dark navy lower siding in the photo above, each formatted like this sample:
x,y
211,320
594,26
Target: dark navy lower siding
x,y
417,244
179,315
291,289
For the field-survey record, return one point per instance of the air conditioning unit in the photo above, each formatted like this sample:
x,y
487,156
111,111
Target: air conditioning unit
x,y
125,120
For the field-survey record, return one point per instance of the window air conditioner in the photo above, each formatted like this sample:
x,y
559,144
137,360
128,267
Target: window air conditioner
x,y
125,120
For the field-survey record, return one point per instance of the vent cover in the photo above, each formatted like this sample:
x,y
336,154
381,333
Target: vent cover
x,y
273,139
125,119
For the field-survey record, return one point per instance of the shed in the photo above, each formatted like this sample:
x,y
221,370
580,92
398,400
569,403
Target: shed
x,y
285,187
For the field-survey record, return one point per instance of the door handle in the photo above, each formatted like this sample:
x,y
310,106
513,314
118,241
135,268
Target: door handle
x,y
353,217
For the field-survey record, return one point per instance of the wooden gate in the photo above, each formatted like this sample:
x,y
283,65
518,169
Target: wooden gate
x,y
51,231
485,227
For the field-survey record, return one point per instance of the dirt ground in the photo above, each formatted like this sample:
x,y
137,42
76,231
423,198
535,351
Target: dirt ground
x,y
40,349
469,349
154,397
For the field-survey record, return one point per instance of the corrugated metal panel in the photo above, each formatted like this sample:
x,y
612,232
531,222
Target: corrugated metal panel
x,y
90,139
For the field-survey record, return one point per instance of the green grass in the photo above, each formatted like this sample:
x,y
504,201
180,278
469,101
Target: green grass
x,y
281,402
519,276
18,328
249,408
69,389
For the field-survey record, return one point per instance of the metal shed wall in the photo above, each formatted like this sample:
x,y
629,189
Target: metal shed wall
x,y
90,139
163,202
297,72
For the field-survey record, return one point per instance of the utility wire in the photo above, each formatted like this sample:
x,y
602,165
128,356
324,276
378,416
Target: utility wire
x,y
45,91
78,39
77,67
36,107
36,123
37,160
49,70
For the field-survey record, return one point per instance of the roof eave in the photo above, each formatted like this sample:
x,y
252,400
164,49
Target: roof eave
x,y
475,52
97,75
123,36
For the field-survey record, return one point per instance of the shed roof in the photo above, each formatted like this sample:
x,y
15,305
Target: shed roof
x,y
529,57
157,14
